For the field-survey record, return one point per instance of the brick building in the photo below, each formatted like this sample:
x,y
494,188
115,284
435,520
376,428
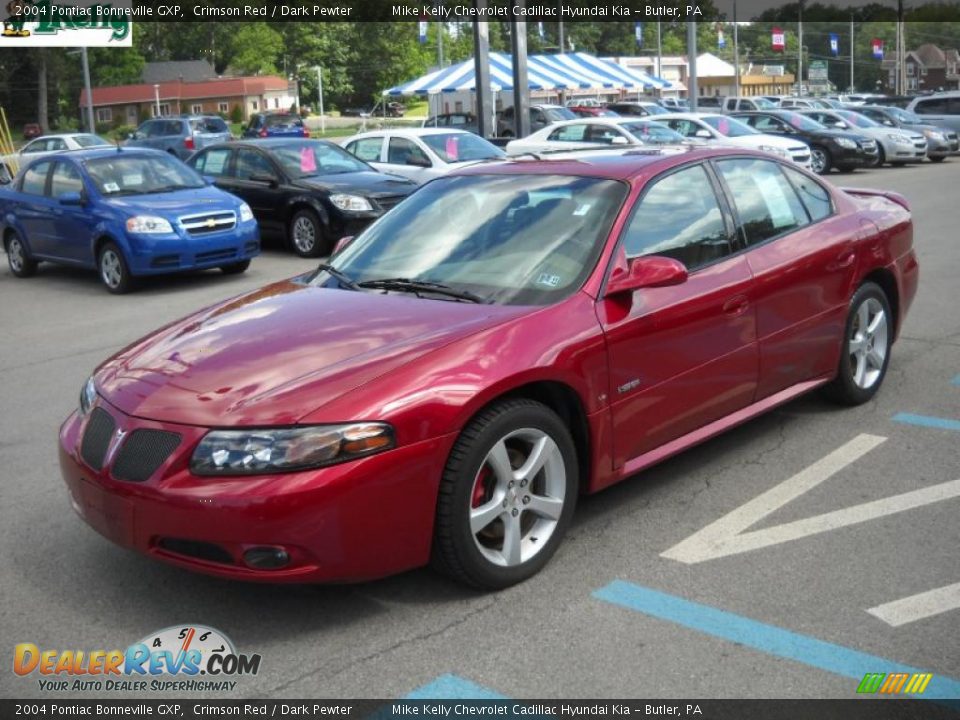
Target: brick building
x,y
928,68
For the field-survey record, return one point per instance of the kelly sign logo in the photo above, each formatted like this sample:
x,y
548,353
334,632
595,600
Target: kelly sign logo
x,y
45,23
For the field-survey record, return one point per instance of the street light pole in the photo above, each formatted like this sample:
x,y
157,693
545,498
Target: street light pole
x,y
86,82
736,52
323,127
692,61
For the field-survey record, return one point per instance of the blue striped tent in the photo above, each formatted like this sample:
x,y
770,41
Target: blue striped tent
x,y
571,71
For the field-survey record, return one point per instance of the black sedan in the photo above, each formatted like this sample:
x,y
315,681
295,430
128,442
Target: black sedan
x,y
311,192
828,148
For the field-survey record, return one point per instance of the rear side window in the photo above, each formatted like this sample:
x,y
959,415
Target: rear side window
x,y
65,179
367,149
932,106
35,179
569,133
212,162
679,217
813,195
766,203
209,125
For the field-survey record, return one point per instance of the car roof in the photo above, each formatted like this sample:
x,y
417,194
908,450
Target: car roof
x,y
688,116
63,135
412,132
107,151
622,166
269,142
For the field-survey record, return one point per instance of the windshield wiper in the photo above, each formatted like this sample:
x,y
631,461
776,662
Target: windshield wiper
x,y
342,278
418,286
171,188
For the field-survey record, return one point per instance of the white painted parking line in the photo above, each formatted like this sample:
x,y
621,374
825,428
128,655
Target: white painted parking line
x,y
919,606
728,536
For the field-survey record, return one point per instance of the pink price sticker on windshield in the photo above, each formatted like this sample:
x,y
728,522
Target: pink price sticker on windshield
x,y
308,161
724,126
452,151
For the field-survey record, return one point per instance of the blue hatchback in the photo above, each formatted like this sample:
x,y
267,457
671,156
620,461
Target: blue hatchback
x,y
125,212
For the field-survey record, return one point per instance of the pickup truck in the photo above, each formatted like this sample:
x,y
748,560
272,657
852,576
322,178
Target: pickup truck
x,y
124,212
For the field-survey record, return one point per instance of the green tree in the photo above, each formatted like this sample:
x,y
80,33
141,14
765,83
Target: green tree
x,y
256,48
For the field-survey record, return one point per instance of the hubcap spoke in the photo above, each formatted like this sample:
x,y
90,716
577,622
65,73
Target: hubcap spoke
x,y
512,540
874,326
874,358
868,344
499,462
858,344
546,507
863,317
482,516
544,450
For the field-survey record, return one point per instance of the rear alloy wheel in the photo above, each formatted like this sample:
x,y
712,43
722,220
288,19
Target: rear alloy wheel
x,y
113,270
820,160
507,495
21,264
236,268
306,235
866,346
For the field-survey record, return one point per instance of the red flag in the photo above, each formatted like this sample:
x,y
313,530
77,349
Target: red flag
x,y
779,39
877,45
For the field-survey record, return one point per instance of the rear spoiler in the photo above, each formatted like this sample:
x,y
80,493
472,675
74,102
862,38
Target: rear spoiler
x,y
888,194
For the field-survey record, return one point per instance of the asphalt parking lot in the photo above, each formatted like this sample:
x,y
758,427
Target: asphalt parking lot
x,y
657,591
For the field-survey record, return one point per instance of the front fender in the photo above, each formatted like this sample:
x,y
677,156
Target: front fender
x,y
302,199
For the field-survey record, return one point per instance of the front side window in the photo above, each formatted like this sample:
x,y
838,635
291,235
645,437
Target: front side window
x,y
367,149
512,239
603,134
401,151
251,162
653,133
461,147
569,133
679,217
65,179
766,203
684,127
728,126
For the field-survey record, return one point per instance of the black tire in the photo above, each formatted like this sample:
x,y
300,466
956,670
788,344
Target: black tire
x,y
114,271
457,549
237,268
846,168
898,164
19,260
881,156
821,161
937,158
305,235
846,388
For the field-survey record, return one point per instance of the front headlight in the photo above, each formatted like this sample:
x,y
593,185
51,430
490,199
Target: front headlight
x,y
259,452
246,214
351,203
88,396
774,150
934,135
847,143
148,225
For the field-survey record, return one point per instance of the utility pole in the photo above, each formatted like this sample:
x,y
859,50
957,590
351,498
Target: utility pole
x,y
851,54
323,126
521,85
901,52
659,58
481,65
800,52
563,44
439,4
692,90
736,52
86,83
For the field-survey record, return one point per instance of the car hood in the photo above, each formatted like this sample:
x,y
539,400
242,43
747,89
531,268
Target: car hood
x,y
191,201
364,182
272,356
757,141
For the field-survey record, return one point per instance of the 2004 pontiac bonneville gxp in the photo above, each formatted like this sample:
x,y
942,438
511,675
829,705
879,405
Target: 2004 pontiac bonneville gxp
x,y
505,339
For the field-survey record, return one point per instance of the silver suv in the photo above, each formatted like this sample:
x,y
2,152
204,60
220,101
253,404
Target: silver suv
x,y
942,109
181,136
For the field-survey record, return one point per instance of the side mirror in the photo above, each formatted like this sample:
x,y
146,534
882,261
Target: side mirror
x,y
209,179
70,198
341,244
265,178
418,161
647,272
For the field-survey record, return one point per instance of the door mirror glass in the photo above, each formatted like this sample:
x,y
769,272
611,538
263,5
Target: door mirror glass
x,y
70,198
649,271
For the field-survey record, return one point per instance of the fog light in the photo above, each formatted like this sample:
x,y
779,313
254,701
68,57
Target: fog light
x,y
266,558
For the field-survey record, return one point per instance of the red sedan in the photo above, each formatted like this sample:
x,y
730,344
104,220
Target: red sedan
x,y
505,339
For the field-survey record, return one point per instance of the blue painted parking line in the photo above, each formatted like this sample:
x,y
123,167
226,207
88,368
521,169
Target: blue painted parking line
x,y
927,421
956,380
453,687
766,638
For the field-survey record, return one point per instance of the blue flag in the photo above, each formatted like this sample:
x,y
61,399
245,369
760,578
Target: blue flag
x,y
638,31
423,31
540,29
834,44
721,41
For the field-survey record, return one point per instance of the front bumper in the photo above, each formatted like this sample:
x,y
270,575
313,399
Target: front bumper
x,y
905,151
859,157
360,520
942,148
155,255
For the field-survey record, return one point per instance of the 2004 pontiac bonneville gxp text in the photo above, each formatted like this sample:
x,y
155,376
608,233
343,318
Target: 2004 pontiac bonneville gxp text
x,y
508,337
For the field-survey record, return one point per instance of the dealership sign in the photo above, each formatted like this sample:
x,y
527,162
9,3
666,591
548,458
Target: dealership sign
x,y
44,23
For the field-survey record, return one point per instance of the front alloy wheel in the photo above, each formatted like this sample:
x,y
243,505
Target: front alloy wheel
x,y
866,347
113,270
507,495
306,234
819,160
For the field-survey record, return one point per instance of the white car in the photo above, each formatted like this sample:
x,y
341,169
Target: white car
x,y
723,129
896,146
421,154
595,132
47,144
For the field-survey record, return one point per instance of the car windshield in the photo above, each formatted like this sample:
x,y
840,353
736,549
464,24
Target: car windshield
x,y
857,120
802,122
559,113
304,158
511,239
763,103
86,141
729,127
652,132
462,147
905,116
124,174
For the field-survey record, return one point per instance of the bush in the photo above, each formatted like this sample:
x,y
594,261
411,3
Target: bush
x,y
236,114
102,128
120,132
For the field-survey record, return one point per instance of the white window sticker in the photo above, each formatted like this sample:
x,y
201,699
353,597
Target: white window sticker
x,y
111,187
582,210
776,201
129,180
548,280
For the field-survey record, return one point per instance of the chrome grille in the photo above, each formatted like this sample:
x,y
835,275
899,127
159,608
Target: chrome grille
x,y
210,222
96,438
388,201
143,453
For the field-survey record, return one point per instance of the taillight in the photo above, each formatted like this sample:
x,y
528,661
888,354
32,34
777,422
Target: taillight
x,y
306,133
262,133
188,143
